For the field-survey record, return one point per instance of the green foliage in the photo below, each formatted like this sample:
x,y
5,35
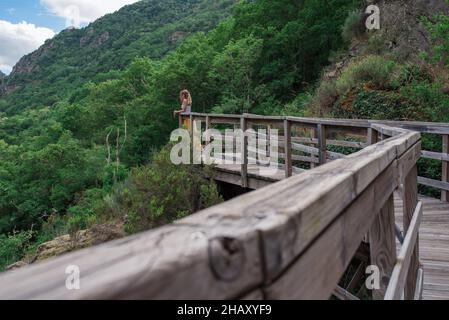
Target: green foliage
x,y
372,70
235,67
13,247
439,30
354,26
159,193
78,132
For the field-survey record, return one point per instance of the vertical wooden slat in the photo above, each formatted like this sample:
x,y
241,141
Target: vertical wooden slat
x,y
269,142
410,197
372,136
383,246
208,123
445,168
314,135
180,118
322,135
244,151
191,127
288,148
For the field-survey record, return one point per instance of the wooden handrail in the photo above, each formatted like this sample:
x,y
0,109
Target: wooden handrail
x,y
353,125
292,240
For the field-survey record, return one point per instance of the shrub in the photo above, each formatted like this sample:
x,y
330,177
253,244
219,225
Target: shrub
x,y
160,193
13,247
325,97
374,70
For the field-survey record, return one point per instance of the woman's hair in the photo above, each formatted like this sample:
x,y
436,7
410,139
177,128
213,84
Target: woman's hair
x,y
185,94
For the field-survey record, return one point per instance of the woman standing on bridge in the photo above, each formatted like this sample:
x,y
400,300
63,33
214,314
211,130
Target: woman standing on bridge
x,y
186,106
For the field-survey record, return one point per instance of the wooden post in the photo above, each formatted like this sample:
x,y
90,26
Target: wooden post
x,y
321,130
410,197
244,152
313,164
372,136
180,118
445,168
208,123
383,246
288,148
269,143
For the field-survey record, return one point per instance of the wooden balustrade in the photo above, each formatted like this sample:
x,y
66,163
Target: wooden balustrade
x,y
291,240
319,137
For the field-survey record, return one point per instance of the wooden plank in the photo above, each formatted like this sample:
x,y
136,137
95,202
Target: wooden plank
x,y
419,284
434,183
162,264
408,160
383,246
244,152
372,136
315,151
288,148
422,127
401,273
315,273
434,155
322,136
314,135
338,143
208,123
445,168
410,197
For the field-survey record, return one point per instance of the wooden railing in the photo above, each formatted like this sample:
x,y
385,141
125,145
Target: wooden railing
x,y
318,140
291,240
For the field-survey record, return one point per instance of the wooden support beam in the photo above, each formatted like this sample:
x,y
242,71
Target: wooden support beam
x,y
445,168
372,136
288,148
208,123
410,197
419,284
383,246
244,152
314,135
401,277
321,132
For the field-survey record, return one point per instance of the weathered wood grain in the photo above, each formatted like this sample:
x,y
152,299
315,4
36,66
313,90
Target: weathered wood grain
x,y
400,278
288,148
445,167
322,146
383,246
410,196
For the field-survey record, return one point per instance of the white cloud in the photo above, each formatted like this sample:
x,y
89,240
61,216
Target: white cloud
x,y
18,40
78,12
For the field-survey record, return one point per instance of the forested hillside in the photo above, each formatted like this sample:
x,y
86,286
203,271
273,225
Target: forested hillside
x,y
94,152
148,28
76,161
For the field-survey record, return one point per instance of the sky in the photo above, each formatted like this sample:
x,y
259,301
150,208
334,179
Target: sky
x,y
26,24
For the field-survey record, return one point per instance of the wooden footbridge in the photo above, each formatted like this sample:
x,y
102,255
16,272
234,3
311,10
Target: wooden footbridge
x,y
342,187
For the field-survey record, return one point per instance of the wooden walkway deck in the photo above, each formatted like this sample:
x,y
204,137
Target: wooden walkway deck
x,y
433,246
434,230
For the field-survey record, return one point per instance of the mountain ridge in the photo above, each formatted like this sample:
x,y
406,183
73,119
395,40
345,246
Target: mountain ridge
x,y
146,28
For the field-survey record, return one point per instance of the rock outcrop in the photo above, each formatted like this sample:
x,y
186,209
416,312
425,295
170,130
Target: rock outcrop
x,y
67,243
